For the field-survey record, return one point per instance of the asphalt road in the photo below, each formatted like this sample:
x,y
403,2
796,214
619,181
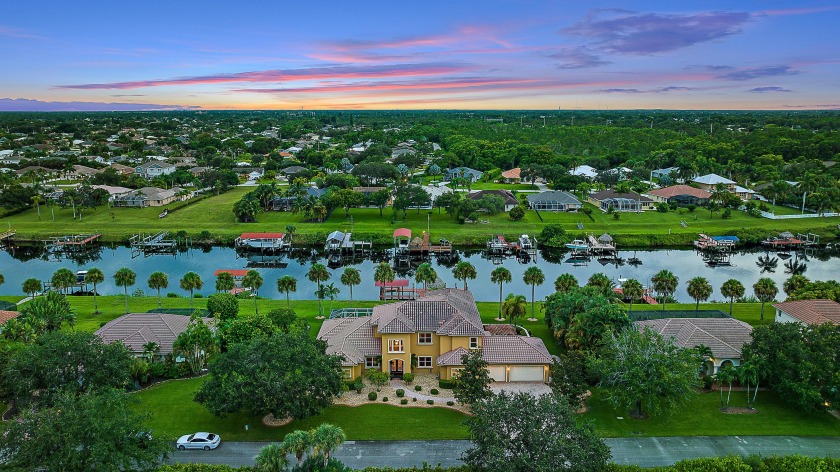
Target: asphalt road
x,y
645,452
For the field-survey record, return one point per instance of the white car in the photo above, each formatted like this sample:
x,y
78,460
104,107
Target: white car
x,y
204,441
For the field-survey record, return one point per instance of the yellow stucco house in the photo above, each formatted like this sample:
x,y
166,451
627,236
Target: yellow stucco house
x,y
435,331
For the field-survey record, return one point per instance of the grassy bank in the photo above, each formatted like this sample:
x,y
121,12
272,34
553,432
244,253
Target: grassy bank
x,y
214,215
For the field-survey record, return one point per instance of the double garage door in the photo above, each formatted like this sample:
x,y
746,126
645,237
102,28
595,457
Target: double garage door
x,y
518,373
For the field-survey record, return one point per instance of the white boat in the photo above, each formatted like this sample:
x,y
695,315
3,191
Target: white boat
x,y
525,242
578,245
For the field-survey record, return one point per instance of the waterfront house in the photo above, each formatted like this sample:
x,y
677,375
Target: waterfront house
x,y
506,195
555,200
620,202
813,312
680,194
431,335
135,330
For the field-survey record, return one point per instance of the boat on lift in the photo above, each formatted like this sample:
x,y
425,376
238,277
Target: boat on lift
x,y
525,243
578,245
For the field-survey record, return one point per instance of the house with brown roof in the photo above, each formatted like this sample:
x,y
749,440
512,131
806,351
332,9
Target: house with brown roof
x,y
506,195
812,312
620,202
680,194
431,335
5,316
135,330
724,336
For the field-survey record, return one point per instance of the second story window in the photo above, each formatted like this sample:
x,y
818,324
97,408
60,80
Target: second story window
x,y
473,343
395,345
424,338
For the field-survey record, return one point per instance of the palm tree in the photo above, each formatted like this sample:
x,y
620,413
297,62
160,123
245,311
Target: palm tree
x,y
778,189
37,200
32,286
533,276
425,275
500,275
726,373
565,283
665,283
464,270
600,281
254,281
732,289
157,281
271,458
224,282
287,284
748,375
191,281
62,279
96,277
329,291
290,231
514,307
350,277
384,273
125,278
765,290
700,290
298,443
633,290
325,438
318,273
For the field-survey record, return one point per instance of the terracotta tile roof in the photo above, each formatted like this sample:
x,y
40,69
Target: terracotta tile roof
x,y
514,350
446,312
514,173
675,190
812,311
137,329
350,338
7,315
452,357
724,336
500,329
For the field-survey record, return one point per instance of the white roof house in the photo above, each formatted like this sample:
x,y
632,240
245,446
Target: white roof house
x,y
712,179
585,171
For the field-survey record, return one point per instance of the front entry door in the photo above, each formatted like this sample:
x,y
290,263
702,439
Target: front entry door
x,y
396,366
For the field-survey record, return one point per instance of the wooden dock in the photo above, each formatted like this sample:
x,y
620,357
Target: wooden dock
x,y
398,289
147,244
7,235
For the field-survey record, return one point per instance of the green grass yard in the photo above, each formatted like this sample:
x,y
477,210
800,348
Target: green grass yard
x,y
214,215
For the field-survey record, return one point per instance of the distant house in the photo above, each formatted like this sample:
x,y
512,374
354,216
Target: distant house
x,y
555,200
813,312
586,171
152,169
621,202
711,181
667,172
113,191
293,171
135,330
285,203
81,172
680,194
250,173
724,336
196,171
462,173
149,196
37,170
506,195
368,191
513,176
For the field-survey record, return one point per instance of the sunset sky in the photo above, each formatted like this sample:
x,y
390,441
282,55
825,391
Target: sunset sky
x,y
515,54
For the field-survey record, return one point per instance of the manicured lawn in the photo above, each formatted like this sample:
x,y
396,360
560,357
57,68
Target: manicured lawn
x,y
701,416
174,413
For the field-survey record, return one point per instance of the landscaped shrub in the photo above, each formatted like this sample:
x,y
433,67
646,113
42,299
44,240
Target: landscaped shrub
x,y
516,213
172,295
450,403
408,378
414,399
418,387
404,401
358,385
430,402
400,392
384,399
726,214
372,396
707,382
434,391
447,384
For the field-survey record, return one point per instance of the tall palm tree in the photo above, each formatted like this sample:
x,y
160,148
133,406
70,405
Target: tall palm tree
x,y
271,458
318,273
329,291
425,275
778,189
96,277
600,281
665,283
633,290
808,184
287,284
350,277
384,273
533,276
765,290
463,270
191,281
514,307
732,289
565,283
254,281
500,275
298,443
125,278
157,281
62,279
325,438
225,282
699,289
32,286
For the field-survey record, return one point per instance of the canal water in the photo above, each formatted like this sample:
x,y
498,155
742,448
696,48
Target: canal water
x,y
22,263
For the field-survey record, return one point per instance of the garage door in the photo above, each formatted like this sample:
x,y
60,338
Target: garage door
x,y
526,373
497,373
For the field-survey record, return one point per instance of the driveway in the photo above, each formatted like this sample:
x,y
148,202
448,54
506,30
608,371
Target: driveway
x,y
534,388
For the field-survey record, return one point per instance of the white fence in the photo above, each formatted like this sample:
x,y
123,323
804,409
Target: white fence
x,y
771,216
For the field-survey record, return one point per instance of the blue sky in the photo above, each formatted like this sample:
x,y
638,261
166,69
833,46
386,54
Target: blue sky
x,y
415,55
